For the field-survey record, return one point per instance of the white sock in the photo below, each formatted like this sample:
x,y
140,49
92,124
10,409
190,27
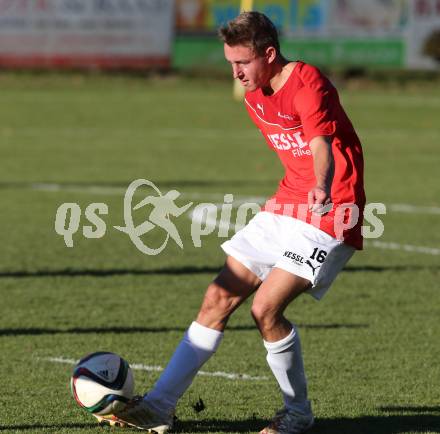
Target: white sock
x,y
285,360
196,347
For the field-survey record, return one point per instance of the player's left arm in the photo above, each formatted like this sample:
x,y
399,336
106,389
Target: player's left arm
x,y
324,167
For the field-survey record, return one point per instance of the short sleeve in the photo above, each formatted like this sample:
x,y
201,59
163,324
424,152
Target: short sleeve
x,y
316,104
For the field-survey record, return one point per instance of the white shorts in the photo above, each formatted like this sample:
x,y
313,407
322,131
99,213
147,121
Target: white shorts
x,y
271,240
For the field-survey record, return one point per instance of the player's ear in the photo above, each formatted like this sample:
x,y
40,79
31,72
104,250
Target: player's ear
x,y
271,54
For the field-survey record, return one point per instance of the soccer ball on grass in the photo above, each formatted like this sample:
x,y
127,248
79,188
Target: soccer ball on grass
x,y
102,383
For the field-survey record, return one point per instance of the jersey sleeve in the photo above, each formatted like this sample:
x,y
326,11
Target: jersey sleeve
x,y
316,104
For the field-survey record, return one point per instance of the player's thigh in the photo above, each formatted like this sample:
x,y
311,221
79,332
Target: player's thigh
x,y
276,292
234,284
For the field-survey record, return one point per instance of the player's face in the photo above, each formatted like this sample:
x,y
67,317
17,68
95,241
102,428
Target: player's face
x,y
252,70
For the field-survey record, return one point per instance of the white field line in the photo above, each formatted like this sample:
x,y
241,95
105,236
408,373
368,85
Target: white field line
x,y
97,189
141,367
75,131
403,247
413,209
210,220
120,191
93,189
168,132
239,200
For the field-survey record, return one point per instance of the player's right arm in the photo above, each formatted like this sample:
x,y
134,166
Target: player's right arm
x,y
324,167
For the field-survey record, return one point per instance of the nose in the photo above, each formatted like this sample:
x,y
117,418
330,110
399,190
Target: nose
x,y
236,70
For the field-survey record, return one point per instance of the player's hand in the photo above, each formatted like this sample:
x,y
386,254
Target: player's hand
x,y
319,201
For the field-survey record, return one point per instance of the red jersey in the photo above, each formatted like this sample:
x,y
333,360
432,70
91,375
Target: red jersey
x,y
307,106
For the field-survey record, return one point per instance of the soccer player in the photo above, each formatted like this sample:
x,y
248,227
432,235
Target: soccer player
x,y
298,243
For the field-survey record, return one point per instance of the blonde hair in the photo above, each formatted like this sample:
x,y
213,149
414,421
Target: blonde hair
x,y
251,29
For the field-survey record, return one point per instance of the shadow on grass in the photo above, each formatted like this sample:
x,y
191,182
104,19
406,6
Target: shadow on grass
x,y
380,268
80,272
44,427
410,408
35,331
359,425
68,272
377,424
339,425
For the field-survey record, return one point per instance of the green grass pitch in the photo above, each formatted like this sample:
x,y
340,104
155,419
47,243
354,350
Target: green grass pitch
x,y
371,346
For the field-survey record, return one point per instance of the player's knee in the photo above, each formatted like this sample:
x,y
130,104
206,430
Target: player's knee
x,y
218,302
265,314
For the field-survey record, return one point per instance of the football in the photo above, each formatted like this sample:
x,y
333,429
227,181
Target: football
x,y
102,383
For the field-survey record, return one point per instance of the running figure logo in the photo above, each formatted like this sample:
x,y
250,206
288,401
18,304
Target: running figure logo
x,y
163,207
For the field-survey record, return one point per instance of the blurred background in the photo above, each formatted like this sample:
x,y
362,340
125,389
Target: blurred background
x,y
139,34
